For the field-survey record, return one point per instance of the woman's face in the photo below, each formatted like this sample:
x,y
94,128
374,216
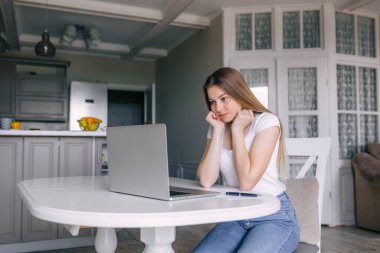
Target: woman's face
x,y
223,105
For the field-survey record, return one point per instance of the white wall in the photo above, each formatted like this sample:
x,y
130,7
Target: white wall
x,y
180,102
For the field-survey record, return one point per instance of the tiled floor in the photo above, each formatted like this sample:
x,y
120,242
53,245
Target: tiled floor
x,y
334,240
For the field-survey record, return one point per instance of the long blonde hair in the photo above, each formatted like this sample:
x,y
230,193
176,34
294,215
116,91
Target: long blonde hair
x,y
234,84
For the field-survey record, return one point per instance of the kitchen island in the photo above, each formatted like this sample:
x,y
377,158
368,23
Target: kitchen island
x,y
28,154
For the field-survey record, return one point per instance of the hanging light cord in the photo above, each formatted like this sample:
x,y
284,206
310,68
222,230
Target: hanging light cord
x,y
46,15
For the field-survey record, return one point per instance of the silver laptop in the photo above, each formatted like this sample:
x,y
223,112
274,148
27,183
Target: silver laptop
x,y
138,163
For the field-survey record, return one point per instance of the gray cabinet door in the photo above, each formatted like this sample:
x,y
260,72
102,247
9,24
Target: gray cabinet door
x,y
7,72
11,173
41,108
76,159
75,156
41,97
101,157
40,85
40,160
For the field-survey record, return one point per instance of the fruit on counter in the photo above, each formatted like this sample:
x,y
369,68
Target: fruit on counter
x,y
92,127
89,123
16,125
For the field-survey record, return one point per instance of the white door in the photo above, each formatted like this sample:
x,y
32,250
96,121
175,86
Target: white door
x,y
303,106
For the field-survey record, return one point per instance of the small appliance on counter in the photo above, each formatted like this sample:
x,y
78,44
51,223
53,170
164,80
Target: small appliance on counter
x,y
5,123
88,100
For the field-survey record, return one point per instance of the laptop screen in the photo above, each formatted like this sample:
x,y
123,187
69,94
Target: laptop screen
x,y
138,160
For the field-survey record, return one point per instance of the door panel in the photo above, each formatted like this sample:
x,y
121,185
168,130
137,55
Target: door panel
x,y
303,106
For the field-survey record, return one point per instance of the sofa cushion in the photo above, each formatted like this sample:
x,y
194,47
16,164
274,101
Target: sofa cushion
x,y
368,166
374,149
303,193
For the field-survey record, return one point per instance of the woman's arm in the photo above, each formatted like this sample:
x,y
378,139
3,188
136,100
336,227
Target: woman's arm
x,y
251,165
208,168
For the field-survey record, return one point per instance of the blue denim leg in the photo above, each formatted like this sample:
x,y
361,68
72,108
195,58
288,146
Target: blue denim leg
x,y
275,233
223,238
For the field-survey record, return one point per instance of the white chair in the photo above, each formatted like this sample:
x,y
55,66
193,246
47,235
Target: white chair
x,y
305,191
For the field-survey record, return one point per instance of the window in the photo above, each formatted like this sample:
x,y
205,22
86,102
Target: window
x,y
257,80
258,39
355,35
308,21
302,96
357,108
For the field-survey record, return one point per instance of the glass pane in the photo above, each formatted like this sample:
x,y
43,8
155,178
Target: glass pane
x,y
263,30
302,88
366,36
346,87
345,43
243,26
367,89
303,126
347,135
255,77
368,130
291,29
311,29
257,80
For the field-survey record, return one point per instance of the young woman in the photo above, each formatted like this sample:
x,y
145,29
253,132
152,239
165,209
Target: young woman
x,y
245,144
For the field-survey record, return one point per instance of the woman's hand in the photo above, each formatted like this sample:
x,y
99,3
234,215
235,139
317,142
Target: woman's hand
x,y
243,119
214,121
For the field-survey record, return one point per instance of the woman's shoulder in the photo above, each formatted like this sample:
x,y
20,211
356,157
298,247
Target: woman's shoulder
x,y
265,120
264,116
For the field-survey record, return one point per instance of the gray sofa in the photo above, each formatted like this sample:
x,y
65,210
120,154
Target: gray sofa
x,y
367,187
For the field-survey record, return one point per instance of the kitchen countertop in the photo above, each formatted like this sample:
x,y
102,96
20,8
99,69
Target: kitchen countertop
x,y
52,133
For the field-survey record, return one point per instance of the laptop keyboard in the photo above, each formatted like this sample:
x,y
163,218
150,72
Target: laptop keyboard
x,y
177,193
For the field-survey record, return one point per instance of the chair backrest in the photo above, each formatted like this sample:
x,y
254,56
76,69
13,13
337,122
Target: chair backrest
x,y
309,154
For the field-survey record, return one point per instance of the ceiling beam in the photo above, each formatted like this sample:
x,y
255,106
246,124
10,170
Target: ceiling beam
x,y
354,4
9,22
28,41
115,10
171,13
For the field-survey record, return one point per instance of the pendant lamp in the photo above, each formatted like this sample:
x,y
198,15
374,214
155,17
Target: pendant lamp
x,y
45,47
3,42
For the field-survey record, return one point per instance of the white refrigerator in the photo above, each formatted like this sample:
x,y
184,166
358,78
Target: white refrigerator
x,y
88,100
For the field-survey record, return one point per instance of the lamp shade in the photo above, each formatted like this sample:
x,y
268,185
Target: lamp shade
x,y
69,35
45,47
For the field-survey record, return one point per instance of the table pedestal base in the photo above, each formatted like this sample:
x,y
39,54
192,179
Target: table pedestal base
x,y
158,240
105,240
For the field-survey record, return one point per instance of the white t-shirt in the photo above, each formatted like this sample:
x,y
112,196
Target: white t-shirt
x,y
269,182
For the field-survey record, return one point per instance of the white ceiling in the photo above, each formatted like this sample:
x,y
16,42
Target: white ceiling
x,y
128,28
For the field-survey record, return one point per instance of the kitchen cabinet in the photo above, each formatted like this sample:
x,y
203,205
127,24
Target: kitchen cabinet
x,y
41,85
41,97
40,160
7,72
33,90
41,108
37,154
11,173
75,159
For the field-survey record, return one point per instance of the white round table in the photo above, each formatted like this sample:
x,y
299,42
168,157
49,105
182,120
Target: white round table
x,y
86,201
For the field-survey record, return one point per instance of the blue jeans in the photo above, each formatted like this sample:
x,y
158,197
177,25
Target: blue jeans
x,y
275,233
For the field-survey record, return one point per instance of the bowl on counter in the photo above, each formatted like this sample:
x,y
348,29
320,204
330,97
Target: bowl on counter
x,y
89,123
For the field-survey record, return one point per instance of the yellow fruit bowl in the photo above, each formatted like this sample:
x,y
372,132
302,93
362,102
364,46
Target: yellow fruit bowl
x,y
89,123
